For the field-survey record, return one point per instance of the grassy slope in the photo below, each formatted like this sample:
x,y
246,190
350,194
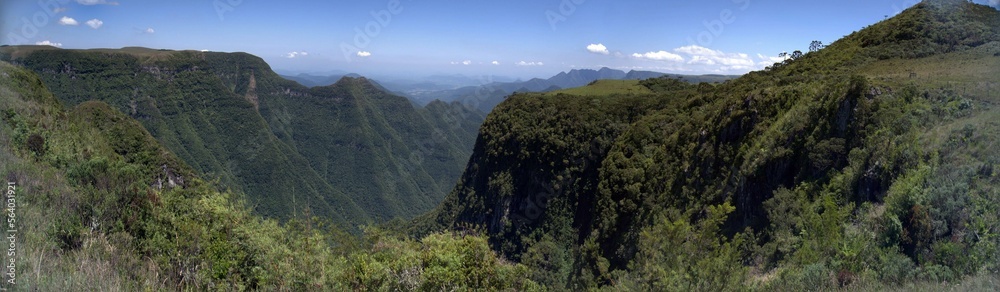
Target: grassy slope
x,y
607,87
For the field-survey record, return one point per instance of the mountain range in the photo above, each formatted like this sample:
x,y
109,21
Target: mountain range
x,y
316,80
348,151
487,96
491,90
869,164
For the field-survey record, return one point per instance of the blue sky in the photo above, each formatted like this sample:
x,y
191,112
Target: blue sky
x,y
519,38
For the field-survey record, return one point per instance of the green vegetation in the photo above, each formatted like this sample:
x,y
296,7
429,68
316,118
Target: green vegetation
x,y
606,87
864,164
349,152
103,206
868,164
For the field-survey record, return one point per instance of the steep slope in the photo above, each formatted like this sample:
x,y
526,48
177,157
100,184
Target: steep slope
x,y
199,117
231,117
99,204
393,159
814,167
397,158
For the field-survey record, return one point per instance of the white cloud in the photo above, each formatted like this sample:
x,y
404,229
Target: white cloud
x,y
598,49
523,63
769,60
698,51
701,59
466,62
706,56
48,43
659,56
95,2
364,54
296,54
68,21
150,30
496,63
60,10
95,23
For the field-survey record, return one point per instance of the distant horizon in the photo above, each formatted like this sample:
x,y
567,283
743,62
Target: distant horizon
x,y
336,72
521,39
504,78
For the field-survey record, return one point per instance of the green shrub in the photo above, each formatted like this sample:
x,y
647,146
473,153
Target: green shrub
x,y
895,268
36,143
935,273
816,277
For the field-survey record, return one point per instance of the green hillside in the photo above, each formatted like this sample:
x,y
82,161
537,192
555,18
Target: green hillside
x,y
866,164
102,205
606,87
871,164
349,151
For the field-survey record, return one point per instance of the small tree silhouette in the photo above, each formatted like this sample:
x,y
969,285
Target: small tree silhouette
x,y
816,46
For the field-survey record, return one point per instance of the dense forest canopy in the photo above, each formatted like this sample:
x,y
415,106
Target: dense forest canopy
x,y
349,151
865,161
869,163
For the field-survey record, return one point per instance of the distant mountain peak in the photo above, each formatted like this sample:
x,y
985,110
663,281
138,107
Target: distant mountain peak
x,y
352,80
363,83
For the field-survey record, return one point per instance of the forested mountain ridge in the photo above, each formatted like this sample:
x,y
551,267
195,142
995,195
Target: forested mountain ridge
x,y
313,81
870,164
103,205
861,163
485,97
290,148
